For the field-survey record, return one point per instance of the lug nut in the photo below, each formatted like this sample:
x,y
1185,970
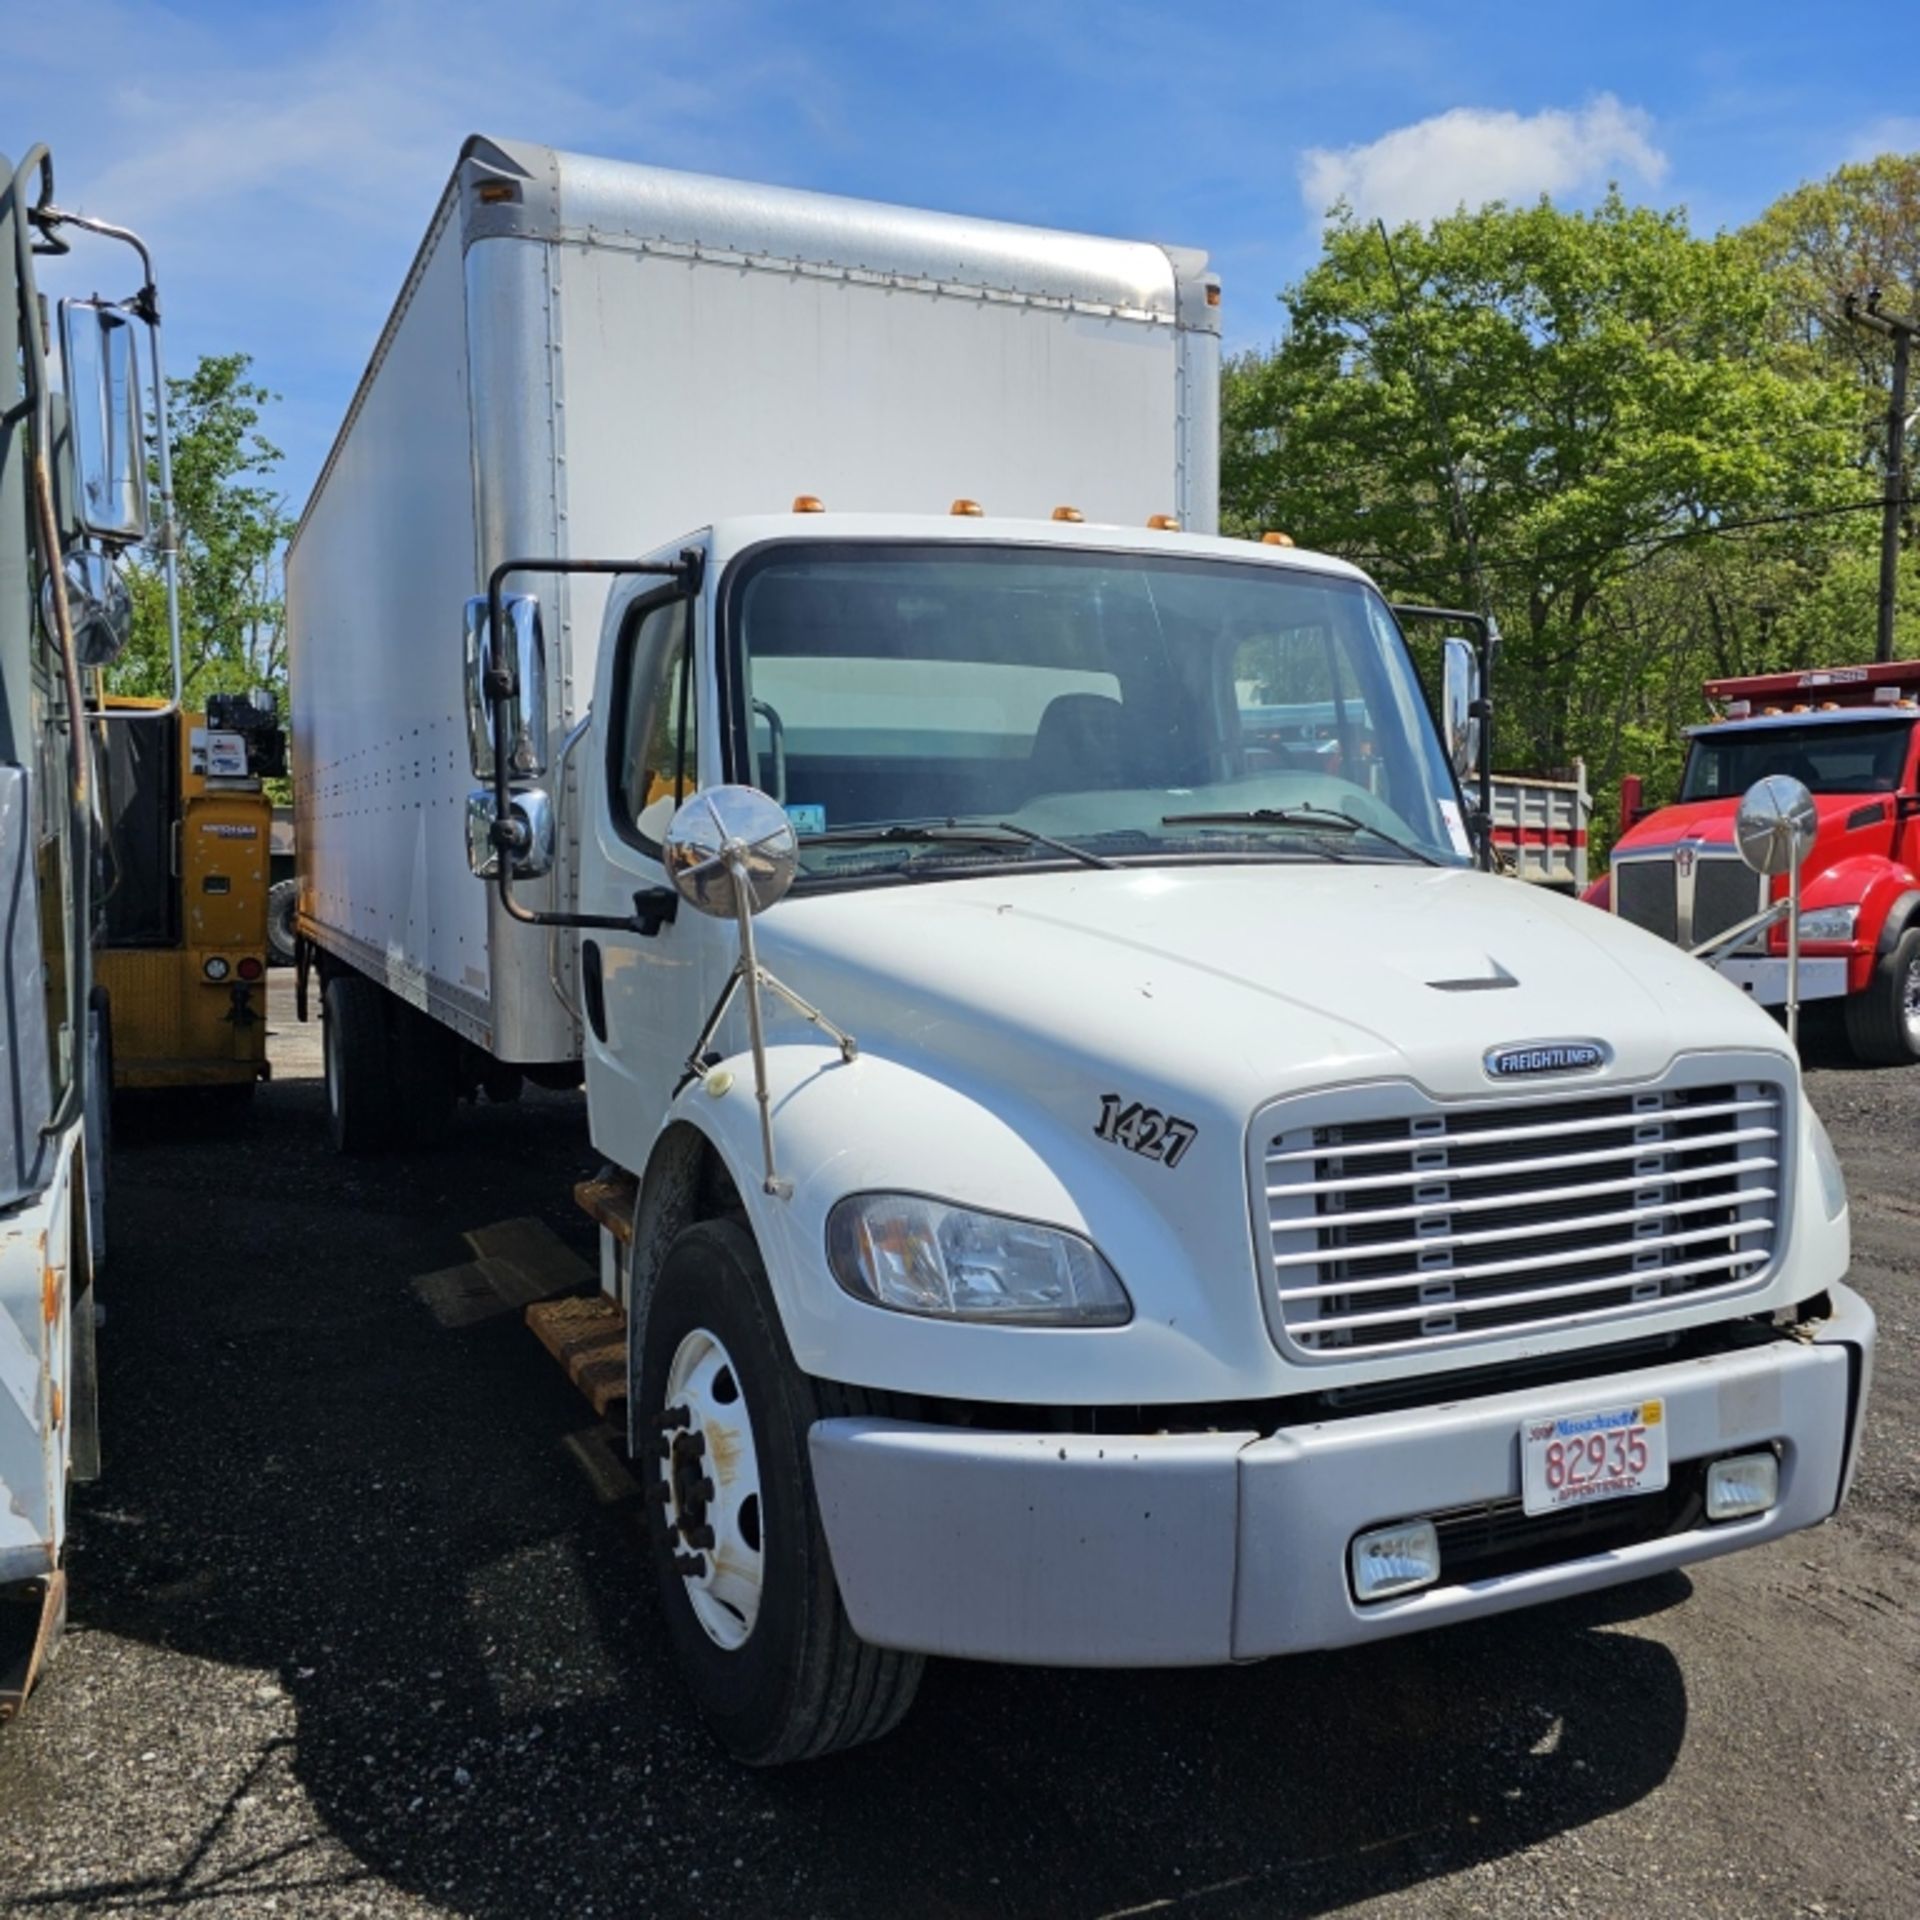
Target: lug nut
x,y
659,1493
698,1536
673,1417
703,1489
690,1566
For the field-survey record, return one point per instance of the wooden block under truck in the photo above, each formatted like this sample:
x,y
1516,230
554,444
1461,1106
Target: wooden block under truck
x,y
1085,1184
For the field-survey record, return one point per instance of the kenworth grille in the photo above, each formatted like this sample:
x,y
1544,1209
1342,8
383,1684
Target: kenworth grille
x,y
1686,895
1409,1225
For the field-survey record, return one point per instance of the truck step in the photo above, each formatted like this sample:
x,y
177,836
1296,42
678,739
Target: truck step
x,y
609,1198
587,1334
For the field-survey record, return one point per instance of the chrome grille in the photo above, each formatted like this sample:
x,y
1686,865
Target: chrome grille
x,y
1716,891
1725,892
1643,893
1436,1226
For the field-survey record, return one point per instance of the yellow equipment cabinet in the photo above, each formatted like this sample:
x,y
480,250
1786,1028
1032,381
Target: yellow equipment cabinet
x,y
183,942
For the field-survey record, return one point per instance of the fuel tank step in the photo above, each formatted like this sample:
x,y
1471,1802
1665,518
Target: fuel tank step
x,y
588,1336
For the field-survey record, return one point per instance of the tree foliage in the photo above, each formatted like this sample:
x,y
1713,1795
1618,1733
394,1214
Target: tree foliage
x,y
1630,441
232,527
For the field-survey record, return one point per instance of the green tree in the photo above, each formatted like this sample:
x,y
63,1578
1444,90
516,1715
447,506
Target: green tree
x,y
1610,395
232,529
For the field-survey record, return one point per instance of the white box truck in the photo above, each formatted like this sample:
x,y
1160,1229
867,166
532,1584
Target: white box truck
x,y
1141,1196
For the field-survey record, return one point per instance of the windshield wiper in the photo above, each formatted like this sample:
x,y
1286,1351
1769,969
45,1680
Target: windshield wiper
x,y
1325,818
985,833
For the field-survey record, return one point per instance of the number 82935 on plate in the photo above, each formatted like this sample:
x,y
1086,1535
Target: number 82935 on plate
x,y
1571,1459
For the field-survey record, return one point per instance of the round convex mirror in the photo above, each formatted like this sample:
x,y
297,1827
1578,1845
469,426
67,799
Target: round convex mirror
x,y
715,829
98,604
1776,824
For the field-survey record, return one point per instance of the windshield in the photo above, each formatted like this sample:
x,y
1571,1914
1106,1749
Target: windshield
x,y
1828,758
1115,703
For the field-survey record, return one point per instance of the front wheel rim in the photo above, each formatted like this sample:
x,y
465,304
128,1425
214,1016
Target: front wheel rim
x,y
1910,1004
710,1490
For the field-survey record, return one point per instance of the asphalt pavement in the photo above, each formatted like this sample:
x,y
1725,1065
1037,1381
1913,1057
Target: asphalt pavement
x,y
361,1626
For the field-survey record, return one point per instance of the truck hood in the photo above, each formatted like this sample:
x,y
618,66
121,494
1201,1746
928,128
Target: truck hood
x,y
1852,850
1232,984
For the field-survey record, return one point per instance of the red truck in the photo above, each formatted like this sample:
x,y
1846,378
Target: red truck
x,y
1852,736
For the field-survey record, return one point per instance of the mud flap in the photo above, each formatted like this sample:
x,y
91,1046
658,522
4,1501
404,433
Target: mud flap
x,y
30,1629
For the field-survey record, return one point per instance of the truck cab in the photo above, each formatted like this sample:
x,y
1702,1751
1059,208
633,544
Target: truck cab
x,y
1851,736
1139,1196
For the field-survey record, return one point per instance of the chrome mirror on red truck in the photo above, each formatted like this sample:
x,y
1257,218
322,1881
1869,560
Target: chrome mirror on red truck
x,y
1774,831
1776,823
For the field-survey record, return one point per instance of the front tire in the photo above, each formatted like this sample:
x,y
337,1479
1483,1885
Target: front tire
x,y
745,1577
1883,1021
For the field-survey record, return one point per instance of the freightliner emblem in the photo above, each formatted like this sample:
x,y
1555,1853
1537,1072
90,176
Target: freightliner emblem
x,y
1547,1056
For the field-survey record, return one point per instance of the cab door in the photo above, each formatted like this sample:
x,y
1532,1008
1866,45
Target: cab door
x,y
644,995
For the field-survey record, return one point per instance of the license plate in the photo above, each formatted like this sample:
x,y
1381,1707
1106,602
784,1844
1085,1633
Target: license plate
x,y
1570,1459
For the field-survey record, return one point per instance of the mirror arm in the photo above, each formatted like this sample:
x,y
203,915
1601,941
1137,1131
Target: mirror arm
x,y
687,570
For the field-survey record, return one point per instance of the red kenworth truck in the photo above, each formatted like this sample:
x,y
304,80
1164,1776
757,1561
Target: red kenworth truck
x,y
1852,735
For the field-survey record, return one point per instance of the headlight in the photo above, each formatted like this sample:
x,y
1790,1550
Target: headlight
x,y
922,1256
1829,923
1826,1163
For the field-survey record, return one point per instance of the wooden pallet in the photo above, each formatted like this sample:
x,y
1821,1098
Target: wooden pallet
x,y
587,1334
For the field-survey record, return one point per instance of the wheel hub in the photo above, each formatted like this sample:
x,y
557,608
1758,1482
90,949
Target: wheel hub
x,y
1910,1002
709,1488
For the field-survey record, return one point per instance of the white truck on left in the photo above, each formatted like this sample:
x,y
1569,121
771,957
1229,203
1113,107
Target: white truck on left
x,y
73,494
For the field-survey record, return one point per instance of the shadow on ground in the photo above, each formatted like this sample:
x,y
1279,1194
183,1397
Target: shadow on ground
x,y
307,1474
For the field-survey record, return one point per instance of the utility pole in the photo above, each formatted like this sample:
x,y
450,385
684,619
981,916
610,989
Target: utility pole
x,y
1901,332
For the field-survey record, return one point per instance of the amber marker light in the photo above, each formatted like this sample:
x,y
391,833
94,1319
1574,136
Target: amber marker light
x,y
966,509
1068,513
808,503
1272,539
1163,523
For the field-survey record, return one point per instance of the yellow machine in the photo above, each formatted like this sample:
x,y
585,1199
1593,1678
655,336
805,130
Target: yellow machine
x,y
182,953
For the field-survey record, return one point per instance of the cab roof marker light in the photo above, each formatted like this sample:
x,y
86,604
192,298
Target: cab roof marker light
x,y
808,503
1069,513
966,509
1273,538
1163,523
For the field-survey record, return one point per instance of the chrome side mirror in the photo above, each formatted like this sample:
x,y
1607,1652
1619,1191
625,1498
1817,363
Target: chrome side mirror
x,y
729,847
106,418
533,834
517,657
731,852
1459,693
99,606
1775,826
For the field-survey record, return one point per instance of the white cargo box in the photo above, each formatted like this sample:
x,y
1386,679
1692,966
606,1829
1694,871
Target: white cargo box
x,y
590,358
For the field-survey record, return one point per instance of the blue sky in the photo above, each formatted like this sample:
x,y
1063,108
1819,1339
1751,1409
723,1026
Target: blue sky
x,y
283,158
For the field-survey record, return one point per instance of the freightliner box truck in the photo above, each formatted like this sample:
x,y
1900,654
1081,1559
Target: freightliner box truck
x,y
1141,1197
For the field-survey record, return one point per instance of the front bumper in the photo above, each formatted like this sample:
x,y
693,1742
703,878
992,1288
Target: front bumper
x,y
1766,980
1195,1549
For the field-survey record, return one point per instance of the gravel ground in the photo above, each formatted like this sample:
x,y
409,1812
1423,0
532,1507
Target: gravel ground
x,y
355,1633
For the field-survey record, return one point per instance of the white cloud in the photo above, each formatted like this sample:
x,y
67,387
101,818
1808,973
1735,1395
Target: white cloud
x,y
1897,133
1471,155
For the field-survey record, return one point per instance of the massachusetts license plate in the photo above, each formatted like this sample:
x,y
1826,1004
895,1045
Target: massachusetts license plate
x,y
1569,1459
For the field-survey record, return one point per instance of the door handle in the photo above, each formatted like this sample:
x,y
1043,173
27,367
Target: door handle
x,y
593,989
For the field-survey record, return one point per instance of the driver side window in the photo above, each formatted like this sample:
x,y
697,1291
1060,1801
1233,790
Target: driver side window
x,y
656,748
